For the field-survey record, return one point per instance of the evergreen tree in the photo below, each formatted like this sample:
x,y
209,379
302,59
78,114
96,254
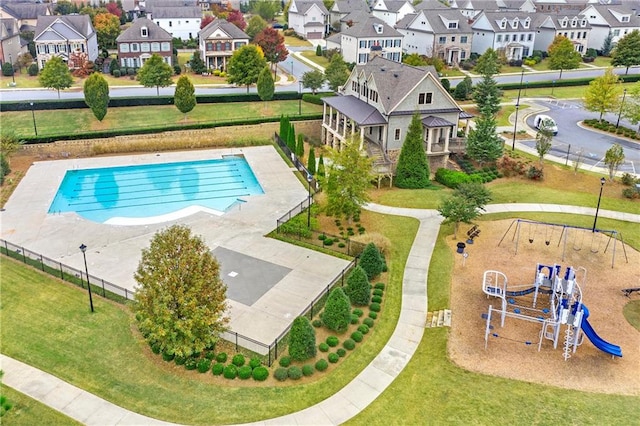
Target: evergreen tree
x,y
185,96
358,288
318,50
371,261
285,126
607,44
488,63
483,143
321,171
197,64
96,95
412,170
311,161
337,311
291,139
302,340
300,146
266,87
627,51
463,89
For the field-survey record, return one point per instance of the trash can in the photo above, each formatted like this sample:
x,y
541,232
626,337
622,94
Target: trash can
x,y
461,247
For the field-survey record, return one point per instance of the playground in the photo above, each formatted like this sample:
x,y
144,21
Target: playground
x,y
520,349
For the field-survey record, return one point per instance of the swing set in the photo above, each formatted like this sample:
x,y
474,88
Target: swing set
x,y
579,236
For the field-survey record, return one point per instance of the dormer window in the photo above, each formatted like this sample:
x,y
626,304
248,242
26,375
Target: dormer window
x,y
625,18
574,22
379,28
564,22
453,25
514,23
503,23
526,23
144,32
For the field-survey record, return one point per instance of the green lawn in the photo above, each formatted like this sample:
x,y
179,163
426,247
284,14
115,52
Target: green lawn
x,y
26,411
320,60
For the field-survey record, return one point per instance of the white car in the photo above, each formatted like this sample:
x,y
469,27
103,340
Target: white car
x,y
545,122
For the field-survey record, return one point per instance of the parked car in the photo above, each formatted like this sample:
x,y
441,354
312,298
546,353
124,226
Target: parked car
x,y
544,122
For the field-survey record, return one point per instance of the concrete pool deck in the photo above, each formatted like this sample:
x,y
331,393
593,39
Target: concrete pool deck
x,y
114,251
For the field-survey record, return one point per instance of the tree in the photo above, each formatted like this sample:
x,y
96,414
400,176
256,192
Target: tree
x,y
311,161
185,96
613,158
412,170
488,63
55,75
543,142
206,20
245,66
415,60
358,288
114,9
96,95
80,64
321,171
9,144
337,72
155,72
266,9
107,27
487,95
313,80
483,143
64,7
266,87
197,64
285,125
256,24
318,50
347,181
302,340
631,108
562,55
627,51
463,89
272,44
337,311
24,60
291,138
607,44
180,302
603,93
456,209
371,261
476,192
236,18
300,146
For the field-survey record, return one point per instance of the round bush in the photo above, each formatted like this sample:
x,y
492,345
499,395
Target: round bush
x,y
368,322
333,357
285,361
221,357
116,73
375,307
323,347
217,369
354,319
230,372
260,374
379,286
210,355
341,352
294,372
364,329
372,315
238,360
357,312
179,360
317,323
378,292
332,341
168,356
204,365
307,370
190,363
155,348
322,365
255,362
244,372
357,336
349,344
376,299
281,374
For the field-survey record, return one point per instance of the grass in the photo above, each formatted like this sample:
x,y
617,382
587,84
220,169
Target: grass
x,y
26,411
631,312
296,42
320,60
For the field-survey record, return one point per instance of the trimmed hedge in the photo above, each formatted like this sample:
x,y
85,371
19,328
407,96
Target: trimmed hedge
x,y
333,357
357,336
204,365
221,357
281,374
364,329
260,374
284,361
217,369
349,344
238,360
323,347
368,322
375,307
372,315
255,362
244,372
332,341
230,372
451,178
294,372
341,352
322,365
307,370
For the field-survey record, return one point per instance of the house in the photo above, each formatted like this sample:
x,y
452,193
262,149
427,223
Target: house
x,y
442,33
509,33
371,37
218,41
309,19
342,8
353,18
376,106
25,13
10,45
472,8
180,18
391,11
573,26
141,40
619,20
64,35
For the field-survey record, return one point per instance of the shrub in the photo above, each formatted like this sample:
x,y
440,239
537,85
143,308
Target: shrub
x,y
323,347
302,340
210,355
244,372
116,73
372,315
281,374
255,362
535,173
190,363
332,341
285,361
451,178
328,241
368,322
358,312
376,299
628,179
294,372
230,372
333,358
364,329
349,344
358,288
217,369
221,357
354,319
168,356
238,360
260,374
375,307
155,347
307,370
33,69
176,69
7,69
322,365
204,365
180,360
317,323
357,336
341,352
379,286
378,292
337,311
630,193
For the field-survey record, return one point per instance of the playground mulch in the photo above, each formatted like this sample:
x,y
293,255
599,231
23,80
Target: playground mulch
x,y
509,355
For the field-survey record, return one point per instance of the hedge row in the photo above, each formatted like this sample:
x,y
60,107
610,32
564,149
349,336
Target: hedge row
x,y
629,78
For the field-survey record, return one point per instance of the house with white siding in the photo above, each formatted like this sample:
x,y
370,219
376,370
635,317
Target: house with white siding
x,y
510,33
63,36
391,11
309,19
619,20
372,37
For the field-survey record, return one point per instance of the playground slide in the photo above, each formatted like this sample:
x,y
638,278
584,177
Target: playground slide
x,y
598,341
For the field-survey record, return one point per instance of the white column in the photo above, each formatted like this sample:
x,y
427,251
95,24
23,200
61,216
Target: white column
x,y
361,138
429,136
330,116
324,113
446,140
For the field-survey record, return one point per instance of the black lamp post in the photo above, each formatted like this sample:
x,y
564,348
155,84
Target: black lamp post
x,y
624,95
83,249
309,179
13,79
515,124
553,85
33,115
602,181
299,98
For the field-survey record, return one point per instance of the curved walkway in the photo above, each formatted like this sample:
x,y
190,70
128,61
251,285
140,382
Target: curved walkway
x,y
349,401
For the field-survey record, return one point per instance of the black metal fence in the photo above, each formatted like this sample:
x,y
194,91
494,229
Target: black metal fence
x,y
311,180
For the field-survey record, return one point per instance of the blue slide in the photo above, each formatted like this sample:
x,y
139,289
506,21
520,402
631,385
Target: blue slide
x,y
597,341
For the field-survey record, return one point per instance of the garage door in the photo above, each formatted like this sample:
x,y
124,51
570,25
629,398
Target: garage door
x,y
314,36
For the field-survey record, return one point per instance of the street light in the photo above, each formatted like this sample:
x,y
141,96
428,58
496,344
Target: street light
x,y
83,249
602,181
553,85
515,123
33,115
624,94
299,98
292,68
13,79
309,179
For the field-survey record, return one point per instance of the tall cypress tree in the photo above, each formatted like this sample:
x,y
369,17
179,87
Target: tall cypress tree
x,y
300,146
291,138
484,144
321,165
284,128
311,161
413,168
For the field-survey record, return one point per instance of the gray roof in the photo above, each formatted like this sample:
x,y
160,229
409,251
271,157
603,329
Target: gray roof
x,y
392,5
431,121
494,17
464,114
494,5
435,20
183,12
229,28
356,109
605,11
346,6
170,3
25,10
555,18
356,16
367,29
430,5
79,23
303,6
133,33
10,28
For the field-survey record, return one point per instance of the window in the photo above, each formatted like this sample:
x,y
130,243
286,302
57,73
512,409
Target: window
x,y
453,39
616,33
521,37
124,48
155,46
526,23
625,19
145,47
170,24
135,47
530,37
572,34
239,44
397,42
514,37
499,38
144,32
397,134
363,44
209,46
463,55
463,39
227,45
425,98
442,40
354,86
362,58
165,46
453,25
503,24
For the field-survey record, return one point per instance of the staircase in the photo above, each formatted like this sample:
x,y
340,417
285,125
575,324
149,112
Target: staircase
x,y
441,318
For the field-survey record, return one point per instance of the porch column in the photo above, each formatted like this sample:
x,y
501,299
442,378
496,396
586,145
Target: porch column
x,y
446,140
344,127
466,128
383,142
361,138
429,136
324,113
330,116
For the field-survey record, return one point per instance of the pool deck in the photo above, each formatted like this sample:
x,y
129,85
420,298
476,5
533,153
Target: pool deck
x,y
114,251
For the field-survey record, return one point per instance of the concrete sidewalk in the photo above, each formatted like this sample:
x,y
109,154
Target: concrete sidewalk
x,y
349,401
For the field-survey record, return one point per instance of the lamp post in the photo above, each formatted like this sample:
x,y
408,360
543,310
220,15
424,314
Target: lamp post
x,y
83,249
602,181
309,179
13,78
299,98
526,84
553,85
292,68
515,123
33,115
624,95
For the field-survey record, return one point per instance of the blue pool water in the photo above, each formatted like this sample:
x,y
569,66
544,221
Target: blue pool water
x,y
150,190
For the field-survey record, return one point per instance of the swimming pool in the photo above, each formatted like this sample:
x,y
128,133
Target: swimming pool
x,y
109,195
